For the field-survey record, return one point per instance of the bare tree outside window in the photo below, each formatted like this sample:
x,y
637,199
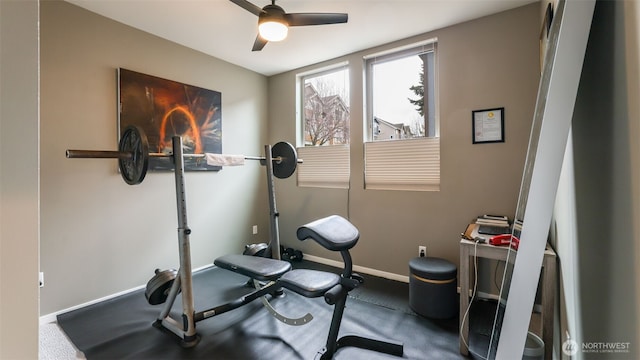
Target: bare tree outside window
x,y
326,109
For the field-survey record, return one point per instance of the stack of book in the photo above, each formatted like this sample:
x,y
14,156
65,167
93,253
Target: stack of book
x,y
493,224
517,227
497,220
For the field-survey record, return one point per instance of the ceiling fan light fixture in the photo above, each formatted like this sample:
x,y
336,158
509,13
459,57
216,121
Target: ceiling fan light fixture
x,y
273,29
274,22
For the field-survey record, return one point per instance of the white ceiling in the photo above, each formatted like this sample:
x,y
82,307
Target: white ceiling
x,y
224,30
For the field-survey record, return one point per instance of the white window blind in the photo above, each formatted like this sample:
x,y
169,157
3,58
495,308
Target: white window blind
x,y
412,164
324,166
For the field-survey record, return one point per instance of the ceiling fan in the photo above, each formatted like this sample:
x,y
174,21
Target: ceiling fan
x,y
274,22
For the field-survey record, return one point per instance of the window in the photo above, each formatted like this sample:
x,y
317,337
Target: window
x,y
402,151
324,120
326,107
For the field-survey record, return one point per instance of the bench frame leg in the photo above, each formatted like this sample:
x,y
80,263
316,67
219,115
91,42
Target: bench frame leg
x,y
349,282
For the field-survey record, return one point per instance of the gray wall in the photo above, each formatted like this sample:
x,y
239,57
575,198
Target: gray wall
x,y
606,184
100,236
489,62
19,200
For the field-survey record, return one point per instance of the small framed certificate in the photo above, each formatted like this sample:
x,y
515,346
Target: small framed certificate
x,y
487,125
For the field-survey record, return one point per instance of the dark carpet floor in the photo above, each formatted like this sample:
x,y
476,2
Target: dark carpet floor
x,y
121,328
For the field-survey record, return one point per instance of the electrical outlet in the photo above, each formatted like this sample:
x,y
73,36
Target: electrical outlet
x,y
255,229
41,279
422,251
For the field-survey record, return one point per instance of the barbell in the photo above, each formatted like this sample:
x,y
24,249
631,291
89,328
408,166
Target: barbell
x,y
133,156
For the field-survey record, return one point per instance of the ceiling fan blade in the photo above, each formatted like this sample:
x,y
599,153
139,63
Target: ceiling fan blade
x,y
259,43
303,19
255,10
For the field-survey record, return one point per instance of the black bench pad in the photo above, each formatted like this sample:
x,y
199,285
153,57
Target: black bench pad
x,y
309,283
332,232
255,267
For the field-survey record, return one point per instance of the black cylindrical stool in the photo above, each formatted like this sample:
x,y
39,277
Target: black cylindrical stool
x,y
433,287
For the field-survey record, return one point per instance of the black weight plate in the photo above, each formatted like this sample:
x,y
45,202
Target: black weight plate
x,y
159,286
255,249
134,141
287,166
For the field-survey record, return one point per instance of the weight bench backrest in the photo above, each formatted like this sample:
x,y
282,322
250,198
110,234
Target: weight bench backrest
x,y
334,233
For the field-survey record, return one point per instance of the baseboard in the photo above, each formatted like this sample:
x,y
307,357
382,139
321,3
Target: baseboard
x,y
49,318
52,317
357,268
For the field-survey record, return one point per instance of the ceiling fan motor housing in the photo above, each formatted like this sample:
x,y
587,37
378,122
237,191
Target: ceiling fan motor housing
x,y
273,13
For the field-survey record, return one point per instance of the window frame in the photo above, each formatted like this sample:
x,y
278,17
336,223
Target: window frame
x,y
410,164
391,55
300,87
328,165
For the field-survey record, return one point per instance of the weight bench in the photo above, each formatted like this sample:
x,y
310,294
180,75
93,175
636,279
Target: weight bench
x,y
334,233
263,273
255,267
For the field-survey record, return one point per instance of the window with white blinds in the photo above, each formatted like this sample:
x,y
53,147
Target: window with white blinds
x,y
402,126
411,164
324,166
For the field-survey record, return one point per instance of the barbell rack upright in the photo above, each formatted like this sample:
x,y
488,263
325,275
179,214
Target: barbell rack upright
x,y
274,232
187,330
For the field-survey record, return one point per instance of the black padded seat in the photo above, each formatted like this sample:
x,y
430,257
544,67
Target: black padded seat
x,y
309,283
255,267
333,232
